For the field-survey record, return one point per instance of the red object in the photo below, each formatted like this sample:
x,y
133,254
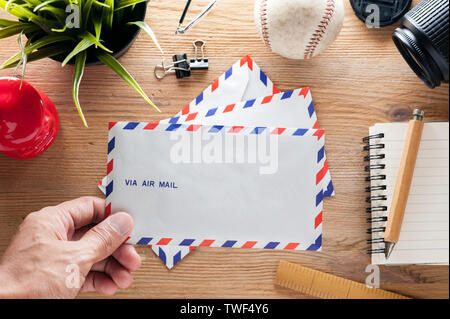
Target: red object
x,y
28,119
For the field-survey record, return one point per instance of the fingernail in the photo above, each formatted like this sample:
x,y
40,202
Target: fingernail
x,y
121,223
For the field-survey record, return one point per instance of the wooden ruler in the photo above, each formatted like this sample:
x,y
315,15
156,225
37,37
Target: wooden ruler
x,y
319,284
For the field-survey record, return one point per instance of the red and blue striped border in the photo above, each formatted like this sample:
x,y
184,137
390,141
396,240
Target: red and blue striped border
x,y
245,61
157,125
171,257
230,243
305,93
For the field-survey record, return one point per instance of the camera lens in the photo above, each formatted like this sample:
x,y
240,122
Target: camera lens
x,y
422,39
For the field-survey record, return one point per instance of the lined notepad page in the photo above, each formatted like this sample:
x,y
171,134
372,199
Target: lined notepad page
x,y
424,237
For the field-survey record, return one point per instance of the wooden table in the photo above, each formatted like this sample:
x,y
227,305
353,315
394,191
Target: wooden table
x,y
360,80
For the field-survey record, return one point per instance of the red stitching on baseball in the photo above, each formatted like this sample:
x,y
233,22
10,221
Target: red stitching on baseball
x,y
320,31
264,23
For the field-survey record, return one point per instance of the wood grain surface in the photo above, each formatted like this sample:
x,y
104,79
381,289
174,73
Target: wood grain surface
x,y
360,80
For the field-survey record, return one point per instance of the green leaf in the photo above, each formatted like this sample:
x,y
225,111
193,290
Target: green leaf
x,y
77,75
118,17
81,46
44,41
108,13
43,4
17,28
63,29
7,23
24,58
33,3
86,12
100,4
58,13
24,14
126,3
17,11
89,37
111,62
97,27
144,26
41,54
9,5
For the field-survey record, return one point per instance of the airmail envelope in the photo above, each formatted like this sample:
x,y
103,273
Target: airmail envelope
x,y
244,80
183,187
288,109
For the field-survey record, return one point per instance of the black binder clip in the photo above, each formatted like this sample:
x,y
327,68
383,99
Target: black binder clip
x,y
180,67
202,62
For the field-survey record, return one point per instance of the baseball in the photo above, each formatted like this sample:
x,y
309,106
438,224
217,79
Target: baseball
x,y
298,29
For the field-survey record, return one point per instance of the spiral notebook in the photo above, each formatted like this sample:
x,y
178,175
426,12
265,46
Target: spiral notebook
x,y
424,237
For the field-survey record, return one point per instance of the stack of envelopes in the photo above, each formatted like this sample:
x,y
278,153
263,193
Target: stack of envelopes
x,y
243,165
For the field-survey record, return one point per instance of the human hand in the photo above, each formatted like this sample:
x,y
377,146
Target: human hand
x,y
56,244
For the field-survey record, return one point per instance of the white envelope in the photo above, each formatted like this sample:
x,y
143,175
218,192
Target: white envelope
x,y
288,109
244,80
217,204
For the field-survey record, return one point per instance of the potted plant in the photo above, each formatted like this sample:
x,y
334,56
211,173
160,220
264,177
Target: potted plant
x,y
78,32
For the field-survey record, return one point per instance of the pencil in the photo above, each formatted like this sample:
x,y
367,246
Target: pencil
x,y
403,181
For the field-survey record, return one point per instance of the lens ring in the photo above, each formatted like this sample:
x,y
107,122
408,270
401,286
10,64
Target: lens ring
x,y
413,55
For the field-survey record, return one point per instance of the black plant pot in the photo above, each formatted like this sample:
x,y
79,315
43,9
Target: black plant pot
x,y
119,39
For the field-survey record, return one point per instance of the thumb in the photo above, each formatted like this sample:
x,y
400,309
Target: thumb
x,y
104,238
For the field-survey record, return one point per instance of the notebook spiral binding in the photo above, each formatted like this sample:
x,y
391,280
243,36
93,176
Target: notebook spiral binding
x,y
376,232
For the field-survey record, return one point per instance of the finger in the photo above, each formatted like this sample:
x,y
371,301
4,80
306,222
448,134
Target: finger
x,y
84,210
119,274
103,239
127,256
75,213
79,233
97,281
